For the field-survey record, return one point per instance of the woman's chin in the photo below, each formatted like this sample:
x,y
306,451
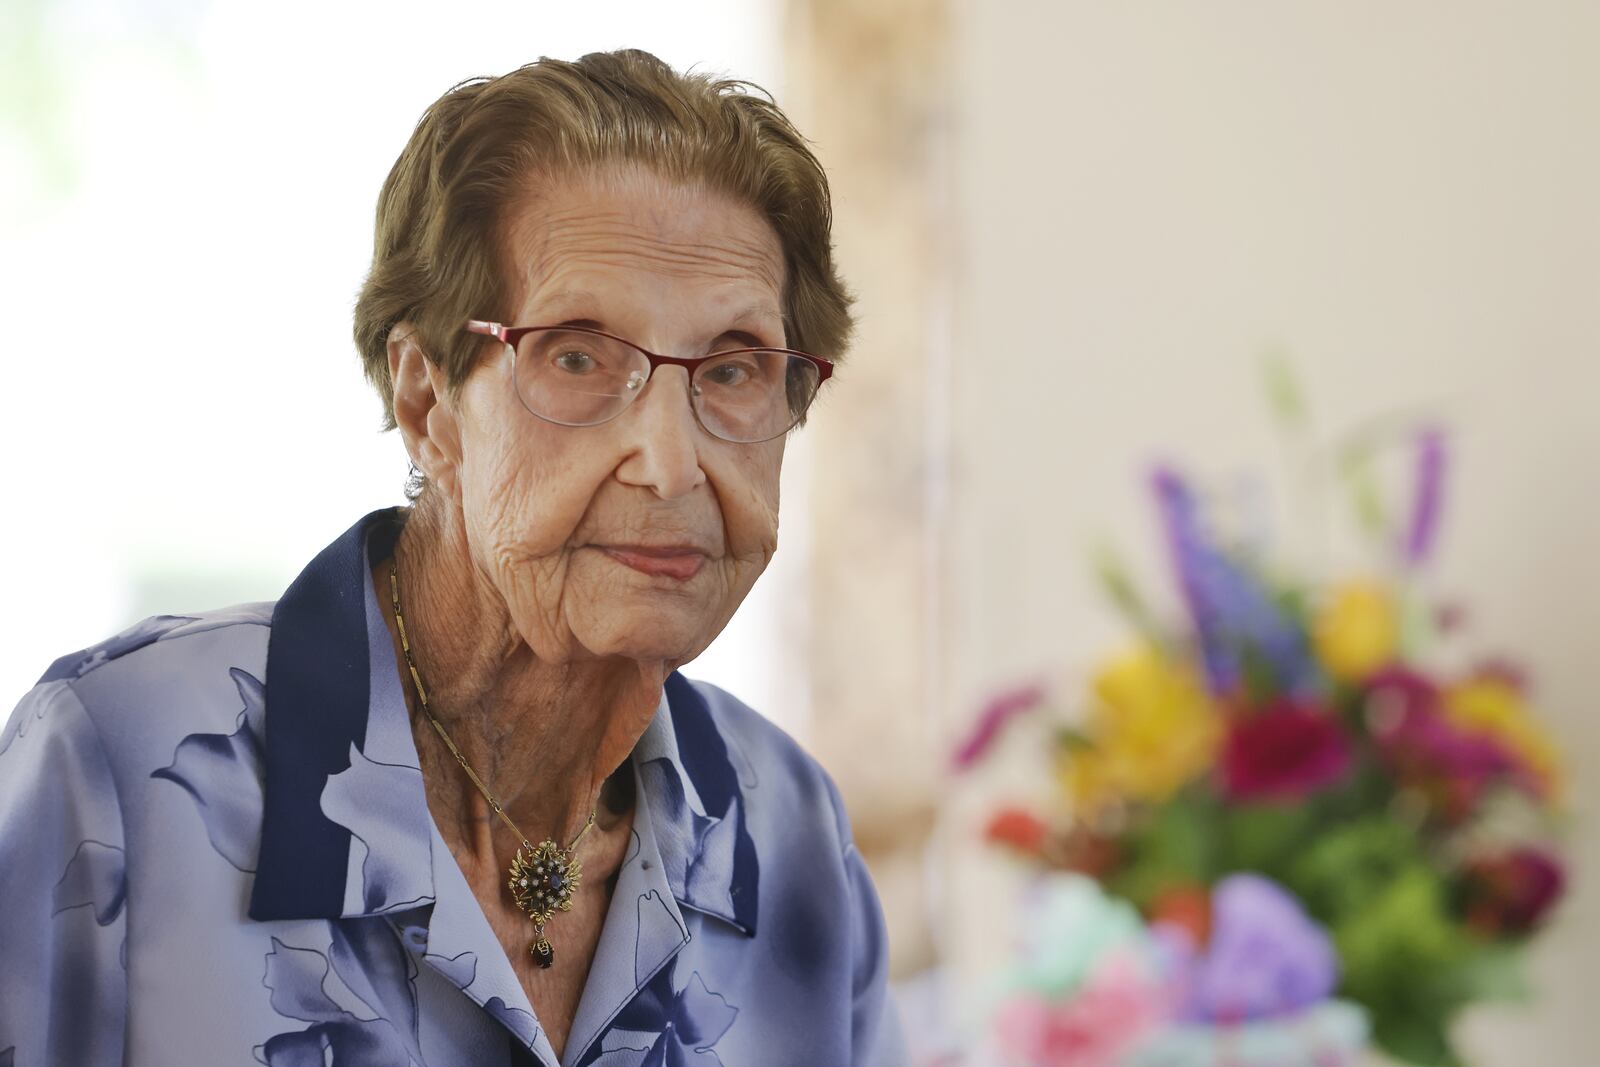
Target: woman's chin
x,y
647,632
647,651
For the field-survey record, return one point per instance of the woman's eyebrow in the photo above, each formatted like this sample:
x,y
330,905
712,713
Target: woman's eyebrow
x,y
758,311
567,300
756,317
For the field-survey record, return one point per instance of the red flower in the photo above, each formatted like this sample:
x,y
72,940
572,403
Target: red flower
x,y
1187,907
1020,829
1509,893
1285,752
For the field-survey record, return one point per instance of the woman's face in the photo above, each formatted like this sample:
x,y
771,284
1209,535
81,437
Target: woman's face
x,y
568,525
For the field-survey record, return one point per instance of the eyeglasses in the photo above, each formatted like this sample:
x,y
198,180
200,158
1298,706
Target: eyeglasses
x,y
575,376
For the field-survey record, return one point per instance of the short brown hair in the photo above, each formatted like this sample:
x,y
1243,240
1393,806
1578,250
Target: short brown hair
x,y
437,255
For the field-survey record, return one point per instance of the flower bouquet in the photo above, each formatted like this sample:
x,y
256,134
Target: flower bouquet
x,y
1297,733
1095,986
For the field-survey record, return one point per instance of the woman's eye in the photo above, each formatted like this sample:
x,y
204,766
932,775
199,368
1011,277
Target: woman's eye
x,y
575,361
727,374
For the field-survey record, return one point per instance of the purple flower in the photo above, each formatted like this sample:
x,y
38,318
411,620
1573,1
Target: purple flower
x,y
1426,505
1234,613
1266,959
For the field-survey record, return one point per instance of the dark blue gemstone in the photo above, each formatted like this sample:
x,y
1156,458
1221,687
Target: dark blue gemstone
x,y
558,881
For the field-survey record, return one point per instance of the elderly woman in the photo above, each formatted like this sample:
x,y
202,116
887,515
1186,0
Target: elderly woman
x,y
448,801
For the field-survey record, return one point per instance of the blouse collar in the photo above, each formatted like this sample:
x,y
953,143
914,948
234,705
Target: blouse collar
x,y
346,830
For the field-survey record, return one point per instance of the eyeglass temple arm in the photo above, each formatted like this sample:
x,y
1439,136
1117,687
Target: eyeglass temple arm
x,y
488,329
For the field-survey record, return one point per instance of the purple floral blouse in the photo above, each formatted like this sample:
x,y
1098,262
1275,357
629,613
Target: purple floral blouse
x,y
215,849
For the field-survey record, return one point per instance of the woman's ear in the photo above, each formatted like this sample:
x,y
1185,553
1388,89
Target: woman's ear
x,y
422,409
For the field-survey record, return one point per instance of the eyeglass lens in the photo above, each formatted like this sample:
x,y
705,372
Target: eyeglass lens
x,y
581,379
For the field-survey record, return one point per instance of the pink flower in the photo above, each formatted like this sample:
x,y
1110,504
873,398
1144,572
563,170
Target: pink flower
x,y
1094,1027
1425,750
992,721
1286,752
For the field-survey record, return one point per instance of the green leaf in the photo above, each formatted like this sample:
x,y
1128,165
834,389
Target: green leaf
x,y
1265,838
1343,872
1361,480
1261,683
1422,1042
1401,955
1124,595
1295,602
1492,972
1173,847
1073,739
1283,389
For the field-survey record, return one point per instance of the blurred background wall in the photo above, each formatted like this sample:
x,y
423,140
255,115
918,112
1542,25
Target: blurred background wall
x,y
1401,198
1075,229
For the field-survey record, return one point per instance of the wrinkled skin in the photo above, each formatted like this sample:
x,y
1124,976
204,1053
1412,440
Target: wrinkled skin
x,y
673,270
542,652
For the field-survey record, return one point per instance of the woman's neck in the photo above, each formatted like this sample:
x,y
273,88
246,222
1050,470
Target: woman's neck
x,y
543,737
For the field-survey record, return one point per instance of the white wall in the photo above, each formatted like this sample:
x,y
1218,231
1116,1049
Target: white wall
x,y
1402,197
186,199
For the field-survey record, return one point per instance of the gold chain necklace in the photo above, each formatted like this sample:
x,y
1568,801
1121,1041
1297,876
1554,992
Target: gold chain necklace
x,y
545,876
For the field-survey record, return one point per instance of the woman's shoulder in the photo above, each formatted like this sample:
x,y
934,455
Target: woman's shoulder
x,y
163,631
164,675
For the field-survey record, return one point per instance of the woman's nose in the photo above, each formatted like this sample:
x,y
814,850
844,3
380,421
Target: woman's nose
x,y
664,437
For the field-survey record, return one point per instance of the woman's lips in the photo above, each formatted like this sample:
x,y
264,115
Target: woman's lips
x,y
680,563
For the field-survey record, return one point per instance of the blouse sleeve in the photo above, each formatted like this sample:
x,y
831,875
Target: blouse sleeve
x,y
63,977
876,1038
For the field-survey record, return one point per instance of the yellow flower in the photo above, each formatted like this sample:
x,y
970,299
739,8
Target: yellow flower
x,y
1493,707
1358,630
1152,729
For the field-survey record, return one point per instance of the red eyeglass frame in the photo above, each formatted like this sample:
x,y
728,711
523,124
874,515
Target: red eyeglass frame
x,y
510,335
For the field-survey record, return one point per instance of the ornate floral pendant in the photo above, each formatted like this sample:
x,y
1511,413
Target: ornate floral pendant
x,y
543,880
